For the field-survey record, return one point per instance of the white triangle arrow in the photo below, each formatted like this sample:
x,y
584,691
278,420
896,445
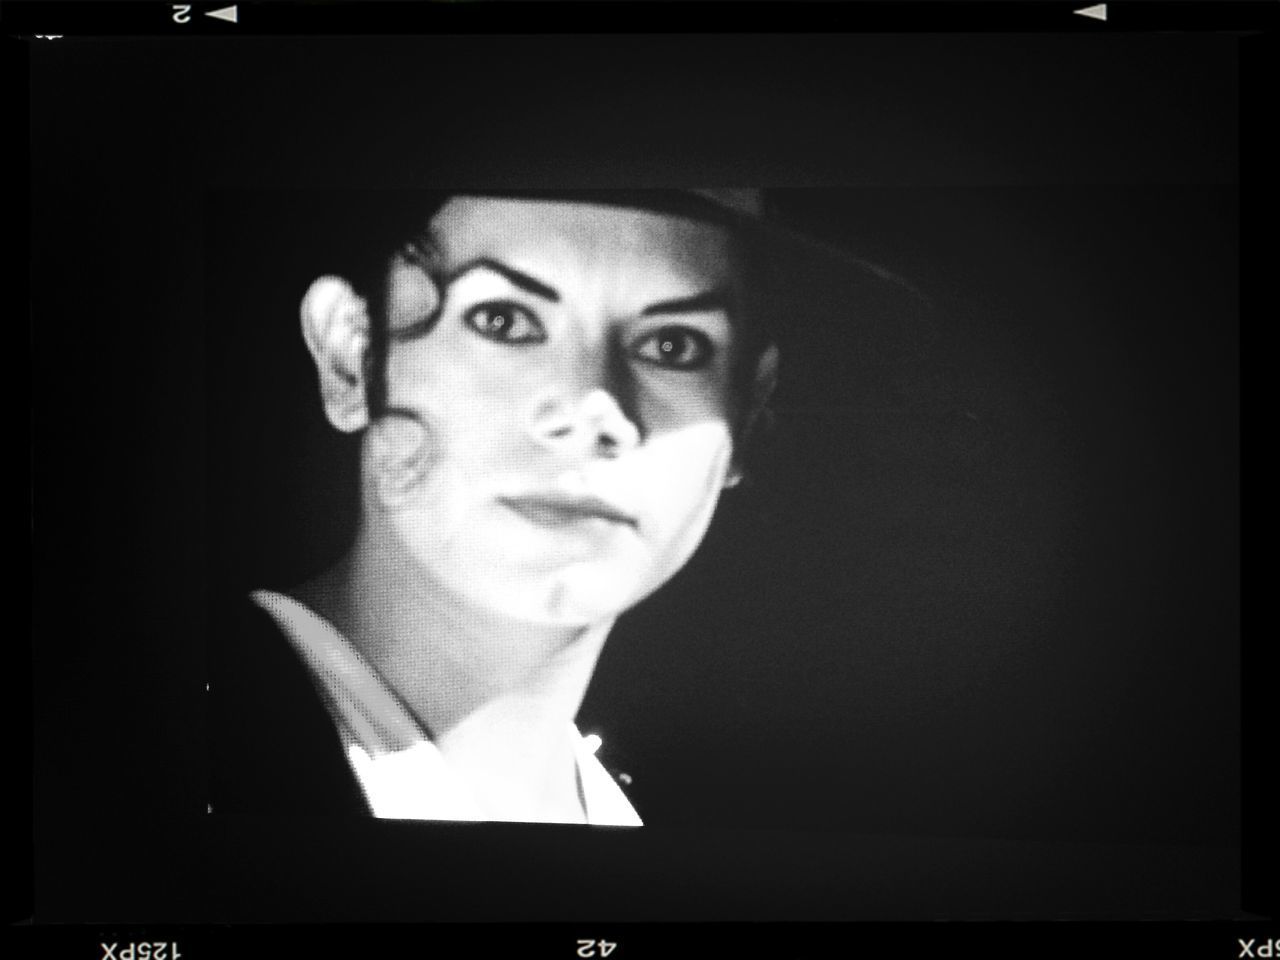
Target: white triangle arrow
x,y
226,13
1098,11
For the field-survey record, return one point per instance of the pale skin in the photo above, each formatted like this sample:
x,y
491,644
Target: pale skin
x,y
608,377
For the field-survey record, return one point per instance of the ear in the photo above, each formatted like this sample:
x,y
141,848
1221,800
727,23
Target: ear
x,y
766,379
335,326
763,384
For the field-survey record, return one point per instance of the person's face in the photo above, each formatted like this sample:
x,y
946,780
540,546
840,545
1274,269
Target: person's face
x,y
576,393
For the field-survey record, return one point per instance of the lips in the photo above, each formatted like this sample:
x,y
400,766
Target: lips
x,y
553,509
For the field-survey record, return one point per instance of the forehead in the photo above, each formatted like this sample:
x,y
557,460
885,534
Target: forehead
x,y
581,239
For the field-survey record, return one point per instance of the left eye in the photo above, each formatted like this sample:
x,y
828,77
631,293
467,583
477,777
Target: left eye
x,y
505,322
678,347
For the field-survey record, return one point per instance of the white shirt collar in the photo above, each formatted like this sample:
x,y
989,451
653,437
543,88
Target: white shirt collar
x,y
402,773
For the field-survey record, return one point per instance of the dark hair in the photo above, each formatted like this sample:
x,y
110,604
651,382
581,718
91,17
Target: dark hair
x,y
400,230
416,247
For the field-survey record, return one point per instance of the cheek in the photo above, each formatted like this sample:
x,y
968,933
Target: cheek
x,y
687,473
674,402
470,411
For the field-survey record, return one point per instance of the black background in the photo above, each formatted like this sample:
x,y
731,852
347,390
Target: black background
x,y
969,643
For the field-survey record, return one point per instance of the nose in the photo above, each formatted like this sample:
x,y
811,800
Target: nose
x,y
586,416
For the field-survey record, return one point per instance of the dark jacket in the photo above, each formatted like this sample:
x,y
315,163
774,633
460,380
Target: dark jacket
x,y
274,750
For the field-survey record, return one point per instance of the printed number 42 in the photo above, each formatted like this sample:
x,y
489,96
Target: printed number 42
x,y
587,948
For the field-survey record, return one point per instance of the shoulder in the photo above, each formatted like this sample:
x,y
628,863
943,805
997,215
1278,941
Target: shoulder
x,y
273,747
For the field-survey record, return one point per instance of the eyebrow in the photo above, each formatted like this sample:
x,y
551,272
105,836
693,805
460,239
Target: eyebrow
x,y
706,302
515,277
699,303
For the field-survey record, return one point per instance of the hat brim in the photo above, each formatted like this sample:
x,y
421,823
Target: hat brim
x,y
821,297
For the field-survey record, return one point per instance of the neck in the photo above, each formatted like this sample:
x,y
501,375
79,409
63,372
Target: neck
x,y
495,695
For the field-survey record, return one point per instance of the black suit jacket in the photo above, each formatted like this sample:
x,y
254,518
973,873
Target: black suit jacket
x,y
274,750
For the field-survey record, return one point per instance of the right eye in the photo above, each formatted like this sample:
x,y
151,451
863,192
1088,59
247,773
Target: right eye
x,y
505,322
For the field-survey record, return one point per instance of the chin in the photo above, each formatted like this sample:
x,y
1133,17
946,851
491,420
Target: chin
x,y
576,598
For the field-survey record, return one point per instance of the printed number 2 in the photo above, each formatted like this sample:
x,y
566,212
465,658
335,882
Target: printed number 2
x,y
587,948
181,13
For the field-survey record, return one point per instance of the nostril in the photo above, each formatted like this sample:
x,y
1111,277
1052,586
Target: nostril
x,y
596,421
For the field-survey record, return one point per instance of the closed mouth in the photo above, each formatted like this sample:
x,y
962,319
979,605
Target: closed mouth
x,y
556,509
